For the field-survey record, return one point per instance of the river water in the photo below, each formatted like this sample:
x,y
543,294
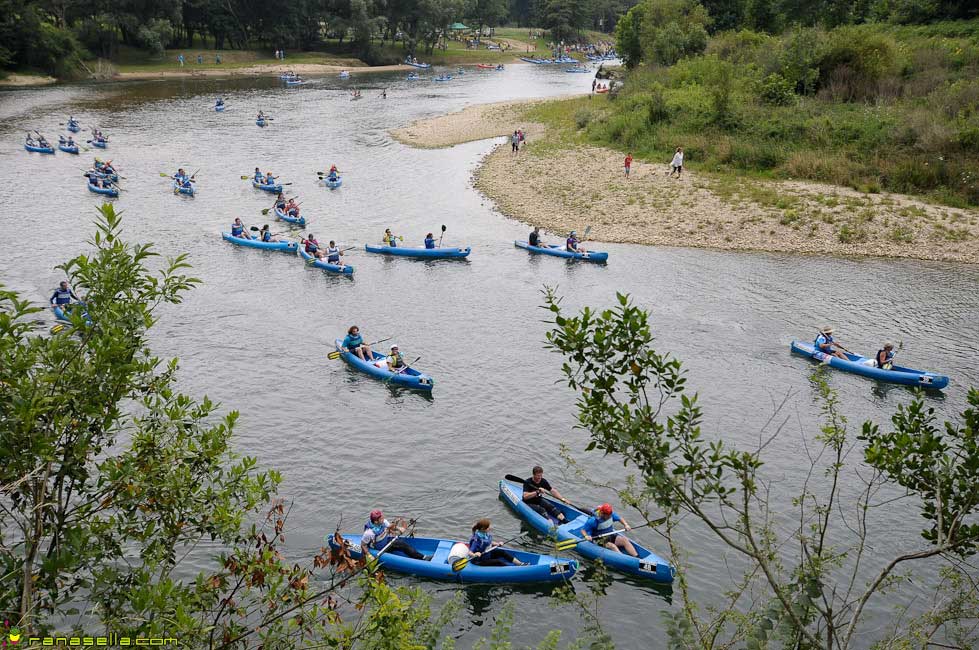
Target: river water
x,y
256,334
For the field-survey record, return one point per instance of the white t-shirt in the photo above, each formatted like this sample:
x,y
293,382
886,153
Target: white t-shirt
x,y
459,551
677,159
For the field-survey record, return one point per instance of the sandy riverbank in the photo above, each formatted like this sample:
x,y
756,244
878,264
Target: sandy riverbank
x,y
262,70
561,187
26,80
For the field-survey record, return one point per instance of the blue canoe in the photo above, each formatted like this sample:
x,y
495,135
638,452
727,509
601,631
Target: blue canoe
x,y
287,246
333,184
97,174
559,251
295,82
37,149
868,368
267,188
73,127
423,66
585,70
423,253
65,317
188,190
101,144
540,568
413,76
288,218
261,122
343,269
344,74
410,377
446,77
67,149
219,107
647,565
108,191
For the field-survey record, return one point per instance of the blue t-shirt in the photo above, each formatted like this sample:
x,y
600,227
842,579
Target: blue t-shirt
x,y
429,242
350,342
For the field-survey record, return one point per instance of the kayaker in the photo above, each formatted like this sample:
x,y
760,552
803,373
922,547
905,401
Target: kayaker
x,y
42,142
827,344
485,552
63,296
280,202
312,246
333,253
429,240
334,173
885,356
354,342
533,495
266,235
238,229
259,178
390,239
573,244
396,362
220,102
534,239
292,208
71,141
29,141
600,523
269,178
377,532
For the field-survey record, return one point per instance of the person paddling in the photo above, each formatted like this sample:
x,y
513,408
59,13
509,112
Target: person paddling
x,y
312,247
601,524
266,235
429,240
258,176
395,361
62,297
333,253
334,173
390,239
484,551
827,344
354,343
533,495
885,356
238,229
377,530
573,244
534,239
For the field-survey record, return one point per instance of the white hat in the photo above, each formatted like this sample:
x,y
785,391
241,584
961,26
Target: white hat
x,y
394,345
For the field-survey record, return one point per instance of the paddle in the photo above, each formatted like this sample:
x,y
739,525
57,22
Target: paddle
x,y
517,479
336,353
461,563
442,235
566,544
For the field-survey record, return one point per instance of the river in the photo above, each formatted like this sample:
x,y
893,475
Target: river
x,y
255,335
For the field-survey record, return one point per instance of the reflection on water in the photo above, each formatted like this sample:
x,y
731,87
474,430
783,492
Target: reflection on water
x,y
255,336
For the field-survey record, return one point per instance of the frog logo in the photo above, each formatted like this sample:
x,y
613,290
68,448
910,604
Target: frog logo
x,y
13,635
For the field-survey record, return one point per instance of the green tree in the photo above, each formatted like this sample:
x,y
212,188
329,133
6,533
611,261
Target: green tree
x,y
668,30
798,589
628,39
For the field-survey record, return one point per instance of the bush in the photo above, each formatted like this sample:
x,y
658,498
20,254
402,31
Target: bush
x,y
799,58
849,234
776,90
155,36
855,63
582,117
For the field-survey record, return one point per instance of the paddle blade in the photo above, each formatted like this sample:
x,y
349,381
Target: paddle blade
x,y
333,355
265,211
443,227
460,564
57,328
566,544
515,479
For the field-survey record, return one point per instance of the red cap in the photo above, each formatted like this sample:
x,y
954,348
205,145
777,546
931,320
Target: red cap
x,y
376,514
605,509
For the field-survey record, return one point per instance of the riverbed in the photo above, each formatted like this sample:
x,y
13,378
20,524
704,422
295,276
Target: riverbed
x,y
255,335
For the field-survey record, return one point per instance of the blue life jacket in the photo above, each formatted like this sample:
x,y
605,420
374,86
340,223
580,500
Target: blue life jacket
x,y
350,341
333,254
61,296
429,242
480,542
379,542
266,235
236,230
259,178
571,244
888,358
824,338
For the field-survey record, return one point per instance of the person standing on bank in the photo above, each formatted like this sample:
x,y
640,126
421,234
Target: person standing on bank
x,y
676,165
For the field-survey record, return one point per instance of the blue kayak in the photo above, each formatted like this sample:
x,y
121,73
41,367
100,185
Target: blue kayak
x,y
585,70
101,144
343,269
413,76
540,568
423,253
647,565
73,127
287,246
267,188
299,221
559,251
73,149
408,377
444,77
108,191
183,189
219,107
423,66
36,149
866,367
65,316
261,122
331,183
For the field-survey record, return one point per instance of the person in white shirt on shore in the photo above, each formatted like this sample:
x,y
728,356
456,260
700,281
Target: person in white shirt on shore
x,y
676,165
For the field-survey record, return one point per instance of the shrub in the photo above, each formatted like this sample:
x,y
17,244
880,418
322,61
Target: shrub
x,y
849,234
902,234
799,59
855,62
582,117
776,90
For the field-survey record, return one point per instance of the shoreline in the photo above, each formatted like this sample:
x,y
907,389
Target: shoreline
x,y
259,70
720,212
